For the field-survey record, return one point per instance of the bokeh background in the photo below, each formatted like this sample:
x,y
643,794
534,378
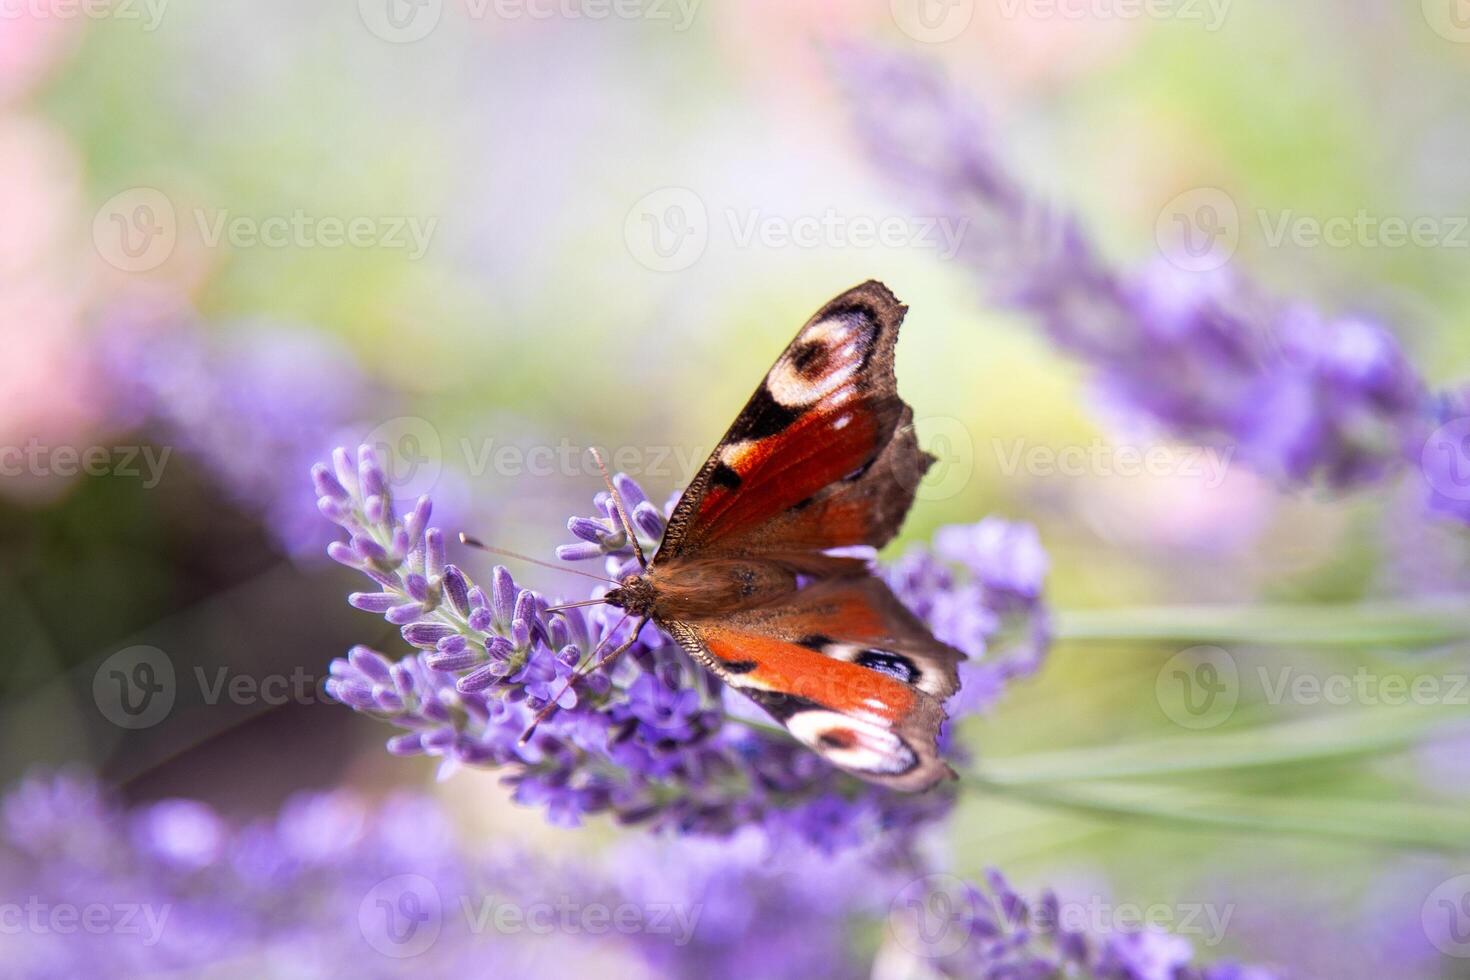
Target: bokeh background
x,y
489,236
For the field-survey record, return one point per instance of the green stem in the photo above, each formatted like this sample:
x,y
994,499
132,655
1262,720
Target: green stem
x,y
1359,625
1321,739
1391,824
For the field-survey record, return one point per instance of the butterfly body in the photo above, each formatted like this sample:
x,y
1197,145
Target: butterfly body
x,y
823,456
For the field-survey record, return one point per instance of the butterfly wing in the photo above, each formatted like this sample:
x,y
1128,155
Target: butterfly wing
x,y
823,455
849,671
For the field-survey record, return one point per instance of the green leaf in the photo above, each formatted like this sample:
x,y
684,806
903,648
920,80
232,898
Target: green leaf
x,y
1363,625
1340,735
1417,826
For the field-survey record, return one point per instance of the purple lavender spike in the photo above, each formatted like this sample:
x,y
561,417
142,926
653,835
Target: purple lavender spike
x,y
456,588
372,663
581,551
588,530
426,636
503,588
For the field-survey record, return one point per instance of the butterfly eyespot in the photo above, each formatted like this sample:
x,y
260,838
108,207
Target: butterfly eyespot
x,y
838,738
895,665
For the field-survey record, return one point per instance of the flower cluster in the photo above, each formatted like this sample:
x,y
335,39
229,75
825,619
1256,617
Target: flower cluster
x,y
989,930
332,885
1304,398
238,404
653,739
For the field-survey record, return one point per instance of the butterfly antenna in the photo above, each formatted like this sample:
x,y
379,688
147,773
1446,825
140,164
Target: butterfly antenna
x,y
618,504
592,664
473,542
575,605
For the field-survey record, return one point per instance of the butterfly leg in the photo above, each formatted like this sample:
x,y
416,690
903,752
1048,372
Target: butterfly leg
x,y
551,705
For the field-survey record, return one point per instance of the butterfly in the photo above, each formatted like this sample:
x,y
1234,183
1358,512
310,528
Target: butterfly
x,y
822,457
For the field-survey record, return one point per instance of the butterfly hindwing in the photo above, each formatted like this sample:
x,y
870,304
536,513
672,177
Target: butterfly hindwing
x,y
846,669
823,455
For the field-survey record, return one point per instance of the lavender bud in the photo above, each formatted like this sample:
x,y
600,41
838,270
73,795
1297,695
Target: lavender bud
x,y
343,555
499,648
478,599
451,644
587,529
578,552
647,519
387,699
368,549
334,510
480,620
370,473
375,509
477,680
454,662
525,607
372,664
417,586
426,636
456,587
346,472
418,519
410,743
374,602
434,552
630,491
404,614
504,589
327,485
520,634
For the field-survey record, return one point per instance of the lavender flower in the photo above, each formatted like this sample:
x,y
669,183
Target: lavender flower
x,y
1304,398
654,740
968,929
332,886
241,404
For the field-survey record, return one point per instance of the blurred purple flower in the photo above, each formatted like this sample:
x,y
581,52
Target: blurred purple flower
x,y
253,405
1303,398
653,740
